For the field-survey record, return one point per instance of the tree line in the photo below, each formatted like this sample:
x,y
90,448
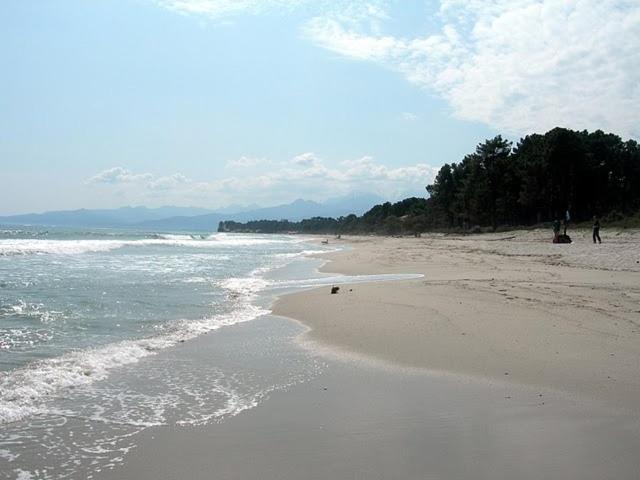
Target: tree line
x,y
310,225
386,218
538,180
502,185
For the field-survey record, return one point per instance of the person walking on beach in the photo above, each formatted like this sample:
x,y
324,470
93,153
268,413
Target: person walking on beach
x,y
567,217
596,229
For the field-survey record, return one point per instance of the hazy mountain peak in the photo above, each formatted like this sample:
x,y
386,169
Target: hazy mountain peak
x,y
195,218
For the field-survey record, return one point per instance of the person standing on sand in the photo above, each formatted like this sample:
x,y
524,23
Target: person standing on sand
x,y
556,230
567,217
596,229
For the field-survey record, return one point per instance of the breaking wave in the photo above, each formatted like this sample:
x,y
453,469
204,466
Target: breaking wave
x,y
23,391
75,247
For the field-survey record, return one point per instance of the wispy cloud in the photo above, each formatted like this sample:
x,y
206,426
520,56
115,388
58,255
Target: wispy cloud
x,y
348,11
517,65
170,182
307,159
118,175
245,162
227,8
409,116
306,175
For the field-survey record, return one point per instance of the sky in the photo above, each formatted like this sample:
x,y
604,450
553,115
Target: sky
x,y
208,103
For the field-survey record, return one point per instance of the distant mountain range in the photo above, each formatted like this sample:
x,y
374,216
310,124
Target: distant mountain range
x,y
194,219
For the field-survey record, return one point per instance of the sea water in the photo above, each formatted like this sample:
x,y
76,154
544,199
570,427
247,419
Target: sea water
x,y
102,335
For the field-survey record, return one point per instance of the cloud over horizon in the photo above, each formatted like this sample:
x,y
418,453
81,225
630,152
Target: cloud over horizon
x,y
118,175
304,176
227,101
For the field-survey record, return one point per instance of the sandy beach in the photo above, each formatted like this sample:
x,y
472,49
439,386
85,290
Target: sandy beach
x,y
502,306
361,422
510,358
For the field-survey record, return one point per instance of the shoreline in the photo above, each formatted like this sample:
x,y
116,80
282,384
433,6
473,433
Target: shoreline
x,y
357,420
506,306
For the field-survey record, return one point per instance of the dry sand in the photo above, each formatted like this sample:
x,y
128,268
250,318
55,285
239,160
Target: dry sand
x,y
509,306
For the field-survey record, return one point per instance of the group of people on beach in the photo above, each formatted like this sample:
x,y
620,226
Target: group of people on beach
x,y
564,238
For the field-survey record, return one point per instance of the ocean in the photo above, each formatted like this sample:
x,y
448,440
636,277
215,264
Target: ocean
x,y
102,335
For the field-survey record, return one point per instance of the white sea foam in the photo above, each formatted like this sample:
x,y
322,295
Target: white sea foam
x,y
46,394
74,247
60,247
24,391
23,475
7,455
307,253
250,286
241,240
196,279
166,236
234,403
11,338
247,286
304,253
34,310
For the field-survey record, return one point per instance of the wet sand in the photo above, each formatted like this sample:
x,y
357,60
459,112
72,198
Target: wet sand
x,y
356,421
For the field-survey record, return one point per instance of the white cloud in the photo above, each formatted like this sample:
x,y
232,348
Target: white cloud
x,y
517,65
365,169
307,159
225,8
121,177
118,175
245,162
311,178
330,33
409,116
306,176
171,182
373,12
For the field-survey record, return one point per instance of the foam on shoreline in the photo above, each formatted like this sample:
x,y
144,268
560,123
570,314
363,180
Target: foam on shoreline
x,y
76,247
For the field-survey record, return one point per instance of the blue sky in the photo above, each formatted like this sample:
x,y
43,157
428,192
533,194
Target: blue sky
x,y
212,102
